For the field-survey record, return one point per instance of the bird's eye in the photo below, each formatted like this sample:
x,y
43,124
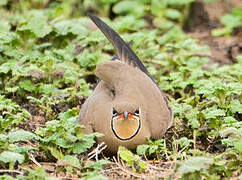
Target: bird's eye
x,y
136,112
114,112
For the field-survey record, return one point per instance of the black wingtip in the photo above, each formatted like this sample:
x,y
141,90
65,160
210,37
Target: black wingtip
x,y
124,52
92,17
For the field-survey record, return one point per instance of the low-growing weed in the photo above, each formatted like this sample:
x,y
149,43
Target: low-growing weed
x,y
48,51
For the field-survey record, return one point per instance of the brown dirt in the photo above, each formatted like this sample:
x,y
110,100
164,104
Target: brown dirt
x,y
204,18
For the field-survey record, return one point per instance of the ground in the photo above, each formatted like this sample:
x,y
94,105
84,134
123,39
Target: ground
x,y
202,19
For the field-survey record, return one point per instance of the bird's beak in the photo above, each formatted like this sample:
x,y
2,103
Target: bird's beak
x,y
126,114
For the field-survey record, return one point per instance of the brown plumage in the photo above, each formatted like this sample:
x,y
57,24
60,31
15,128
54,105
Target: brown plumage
x,y
127,106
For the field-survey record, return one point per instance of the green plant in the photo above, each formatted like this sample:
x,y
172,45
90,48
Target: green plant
x,y
131,159
11,114
65,136
230,22
48,51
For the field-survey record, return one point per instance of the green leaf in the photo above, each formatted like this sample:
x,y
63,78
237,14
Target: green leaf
x,y
229,120
178,3
163,24
194,164
23,149
183,142
192,117
3,137
68,114
231,21
12,89
55,152
221,31
4,26
72,160
74,26
6,67
27,85
141,149
230,131
7,37
172,14
108,1
87,142
6,177
238,146
63,143
173,34
158,7
239,59
130,23
11,157
21,135
37,24
126,155
88,59
131,159
213,113
37,174
99,164
127,6
235,106
142,165
3,2
152,149
47,88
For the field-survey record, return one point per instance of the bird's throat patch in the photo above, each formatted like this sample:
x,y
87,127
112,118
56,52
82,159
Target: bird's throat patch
x,y
125,129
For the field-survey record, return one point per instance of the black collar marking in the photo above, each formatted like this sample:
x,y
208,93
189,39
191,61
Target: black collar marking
x,y
125,139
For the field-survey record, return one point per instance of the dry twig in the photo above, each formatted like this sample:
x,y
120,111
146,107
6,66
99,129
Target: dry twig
x,y
97,151
10,171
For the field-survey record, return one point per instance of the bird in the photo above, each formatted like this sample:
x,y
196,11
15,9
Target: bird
x,y
127,105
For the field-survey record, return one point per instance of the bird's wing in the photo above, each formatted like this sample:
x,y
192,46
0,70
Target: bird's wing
x,y
115,56
125,53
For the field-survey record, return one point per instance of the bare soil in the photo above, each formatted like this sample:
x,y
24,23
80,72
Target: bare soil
x,y
204,18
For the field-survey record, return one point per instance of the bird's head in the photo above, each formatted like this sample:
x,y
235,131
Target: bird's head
x,y
125,122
